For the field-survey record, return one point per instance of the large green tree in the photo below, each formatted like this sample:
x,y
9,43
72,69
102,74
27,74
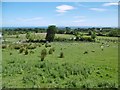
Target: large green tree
x,y
51,33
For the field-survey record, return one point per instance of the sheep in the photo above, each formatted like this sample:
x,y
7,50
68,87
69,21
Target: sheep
x,y
93,51
102,47
107,45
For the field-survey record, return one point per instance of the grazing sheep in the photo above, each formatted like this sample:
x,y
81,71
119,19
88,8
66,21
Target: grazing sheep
x,y
74,38
107,45
93,51
102,47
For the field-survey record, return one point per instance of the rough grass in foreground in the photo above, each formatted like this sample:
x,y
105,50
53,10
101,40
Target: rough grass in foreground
x,y
75,70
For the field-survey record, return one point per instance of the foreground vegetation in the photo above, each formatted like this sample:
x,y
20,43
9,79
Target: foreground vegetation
x,y
71,63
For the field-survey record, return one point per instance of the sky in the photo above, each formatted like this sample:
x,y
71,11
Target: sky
x,y
18,14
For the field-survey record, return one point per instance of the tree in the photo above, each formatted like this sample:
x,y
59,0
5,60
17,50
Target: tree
x,y
27,35
60,31
78,35
89,32
30,36
68,30
51,33
93,35
113,33
43,54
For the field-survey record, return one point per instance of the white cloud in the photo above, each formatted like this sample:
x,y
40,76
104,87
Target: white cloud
x,y
110,4
29,19
64,8
98,9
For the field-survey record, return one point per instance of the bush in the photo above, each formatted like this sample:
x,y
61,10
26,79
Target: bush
x,y
4,46
113,33
39,45
86,52
31,47
50,51
93,35
61,55
53,49
86,39
10,53
61,39
47,45
26,52
17,36
31,51
43,54
17,47
21,50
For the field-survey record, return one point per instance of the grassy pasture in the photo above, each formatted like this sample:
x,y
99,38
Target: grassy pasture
x,y
12,38
94,69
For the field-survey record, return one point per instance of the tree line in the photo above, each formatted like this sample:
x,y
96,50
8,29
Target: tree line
x,y
112,32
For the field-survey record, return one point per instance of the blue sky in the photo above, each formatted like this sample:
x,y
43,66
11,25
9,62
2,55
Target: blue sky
x,y
60,13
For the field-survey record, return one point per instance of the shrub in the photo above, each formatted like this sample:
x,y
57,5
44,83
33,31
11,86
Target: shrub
x,y
42,43
17,36
31,47
50,51
10,53
31,51
39,45
21,50
17,47
47,45
61,55
86,39
4,46
53,49
93,35
86,52
43,54
113,33
61,39
26,52
10,46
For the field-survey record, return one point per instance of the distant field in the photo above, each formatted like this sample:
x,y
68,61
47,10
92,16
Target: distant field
x,y
12,38
94,69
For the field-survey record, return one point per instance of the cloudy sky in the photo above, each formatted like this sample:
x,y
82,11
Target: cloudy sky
x,y
60,13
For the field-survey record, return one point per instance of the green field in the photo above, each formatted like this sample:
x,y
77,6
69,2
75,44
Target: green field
x,y
77,69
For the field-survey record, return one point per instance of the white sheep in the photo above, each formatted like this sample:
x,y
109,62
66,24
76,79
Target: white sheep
x,y
102,47
107,45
